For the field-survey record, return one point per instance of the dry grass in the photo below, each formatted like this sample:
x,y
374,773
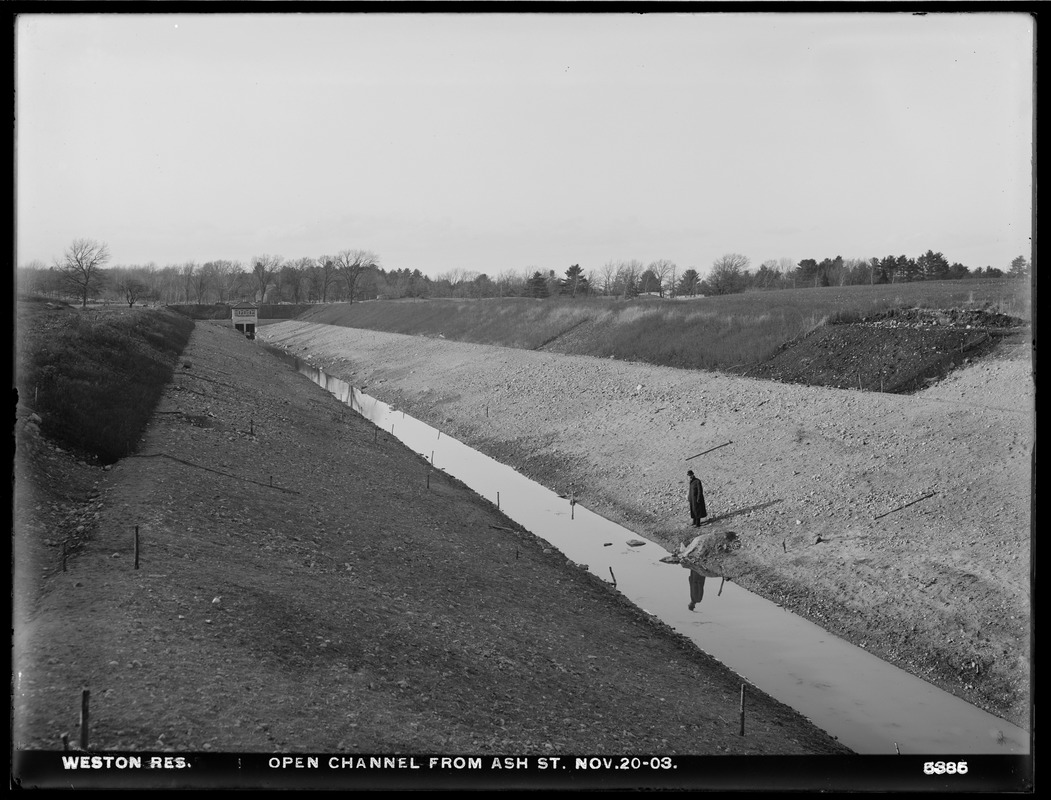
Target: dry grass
x,y
93,376
717,333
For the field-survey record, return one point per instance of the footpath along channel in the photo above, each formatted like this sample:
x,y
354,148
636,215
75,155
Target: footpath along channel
x,y
869,705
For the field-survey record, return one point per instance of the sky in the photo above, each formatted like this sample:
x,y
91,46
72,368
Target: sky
x,y
495,143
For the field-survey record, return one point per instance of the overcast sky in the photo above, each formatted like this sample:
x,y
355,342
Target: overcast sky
x,y
495,142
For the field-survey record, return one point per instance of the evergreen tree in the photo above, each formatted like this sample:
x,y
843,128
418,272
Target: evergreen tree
x,y
537,286
574,283
807,272
688,283
1019,267
907,269
649,282
932,266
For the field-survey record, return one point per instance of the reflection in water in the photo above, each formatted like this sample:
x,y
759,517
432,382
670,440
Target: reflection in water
x,y
698,575
696,588
872,706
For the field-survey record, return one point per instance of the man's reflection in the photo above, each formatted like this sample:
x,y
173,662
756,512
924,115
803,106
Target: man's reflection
x,y
697,578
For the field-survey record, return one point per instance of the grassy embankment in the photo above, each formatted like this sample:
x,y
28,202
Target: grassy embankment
x,y
274,311
720,333
94,378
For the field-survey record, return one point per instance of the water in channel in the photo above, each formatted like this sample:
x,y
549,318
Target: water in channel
x,y
869,705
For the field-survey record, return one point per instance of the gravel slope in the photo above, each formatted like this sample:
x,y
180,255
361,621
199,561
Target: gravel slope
x,y
899,522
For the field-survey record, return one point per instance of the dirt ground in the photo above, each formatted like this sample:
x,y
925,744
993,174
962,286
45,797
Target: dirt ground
x,y
900,522
272,573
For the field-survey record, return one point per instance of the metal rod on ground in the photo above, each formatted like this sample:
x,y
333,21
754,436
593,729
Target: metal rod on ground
x,y
614,577
432,458
497,499
439,434
136,547
721,587
899,508
710,449
84,719
742,709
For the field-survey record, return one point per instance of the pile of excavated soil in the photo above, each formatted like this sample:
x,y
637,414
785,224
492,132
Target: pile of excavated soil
x,y
899,522
896,351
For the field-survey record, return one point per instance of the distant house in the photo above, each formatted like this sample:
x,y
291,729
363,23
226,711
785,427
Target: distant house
x,y
245,317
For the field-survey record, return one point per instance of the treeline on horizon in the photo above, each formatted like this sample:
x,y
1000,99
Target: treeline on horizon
x,y
83,273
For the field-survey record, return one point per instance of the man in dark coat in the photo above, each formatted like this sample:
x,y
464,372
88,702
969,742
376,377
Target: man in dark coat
x,y
696,495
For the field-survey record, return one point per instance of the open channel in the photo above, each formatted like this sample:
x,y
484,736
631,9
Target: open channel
x,y
869,705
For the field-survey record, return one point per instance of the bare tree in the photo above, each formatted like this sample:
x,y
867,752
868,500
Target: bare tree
x,y
198,280
152,277
855,270
82,267
131,289
728,274
225,276
170,283
351,264
768,275
324,276
243,285
187,272
608,273
459,280
316,277
296,274
663,269
510,283
263,270
38,278
628,274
